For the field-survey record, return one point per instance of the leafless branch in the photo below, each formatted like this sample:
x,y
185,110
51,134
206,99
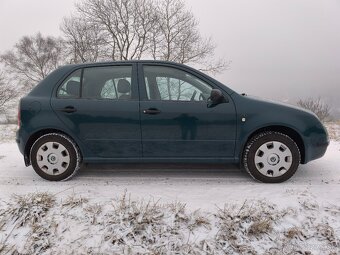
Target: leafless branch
x,y
124,24
7,92
177,38
316,105
84,40
33,58
135,29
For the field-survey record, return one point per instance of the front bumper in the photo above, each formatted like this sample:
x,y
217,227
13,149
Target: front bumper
x,y
316,149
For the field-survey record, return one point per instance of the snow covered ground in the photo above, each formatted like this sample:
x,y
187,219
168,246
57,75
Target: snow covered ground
x,y
140,208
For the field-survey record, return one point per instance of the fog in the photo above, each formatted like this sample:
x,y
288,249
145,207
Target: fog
x,y
279,49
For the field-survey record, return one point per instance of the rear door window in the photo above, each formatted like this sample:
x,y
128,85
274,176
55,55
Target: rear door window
x,y
108,82
71,86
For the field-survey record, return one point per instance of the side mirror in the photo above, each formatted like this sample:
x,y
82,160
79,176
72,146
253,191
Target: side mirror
x,y
216,97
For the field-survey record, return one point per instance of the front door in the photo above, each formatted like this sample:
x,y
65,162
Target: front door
x,y
175,119
100,106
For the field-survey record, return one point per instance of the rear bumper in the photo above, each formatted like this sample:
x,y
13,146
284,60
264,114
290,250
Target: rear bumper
x,y
19,141
21,146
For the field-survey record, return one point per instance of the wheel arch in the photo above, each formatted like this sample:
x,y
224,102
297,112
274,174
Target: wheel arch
x,y
293,134
33,137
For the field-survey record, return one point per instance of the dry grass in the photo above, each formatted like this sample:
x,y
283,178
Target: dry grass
x,y
74,200
4,248
326,232
40,237
93,211
29,208
333,129
199,220
260,227
39,224
239,225
295,232
152,228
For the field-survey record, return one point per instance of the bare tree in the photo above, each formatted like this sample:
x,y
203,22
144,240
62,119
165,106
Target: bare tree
x,y
177,38
125,24
7,92
135,29
84,40
33,58
321,109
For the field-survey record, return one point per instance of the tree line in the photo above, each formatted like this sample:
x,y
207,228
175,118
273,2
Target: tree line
x,y
112,30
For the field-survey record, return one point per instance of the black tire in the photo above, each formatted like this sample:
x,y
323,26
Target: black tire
x,y
265,138
70,150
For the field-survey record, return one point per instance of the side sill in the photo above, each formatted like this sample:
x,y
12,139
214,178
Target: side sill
x,y
161,160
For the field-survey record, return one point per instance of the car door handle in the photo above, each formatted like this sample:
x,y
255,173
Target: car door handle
x,y
68,109
152,111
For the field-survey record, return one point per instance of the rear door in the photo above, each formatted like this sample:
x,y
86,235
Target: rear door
x,y
100,106
175,119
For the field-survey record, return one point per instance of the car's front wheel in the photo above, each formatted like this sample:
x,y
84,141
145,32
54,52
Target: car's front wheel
x,y
55,157
271,157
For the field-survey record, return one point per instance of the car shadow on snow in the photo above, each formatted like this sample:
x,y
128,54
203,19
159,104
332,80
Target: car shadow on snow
x,y
162,171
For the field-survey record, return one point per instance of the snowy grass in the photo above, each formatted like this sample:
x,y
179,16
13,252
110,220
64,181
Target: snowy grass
x,y
333,129
29,208
7,132
42,223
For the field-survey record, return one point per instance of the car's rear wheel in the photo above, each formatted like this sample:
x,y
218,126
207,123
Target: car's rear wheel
x,y
55,157
271,157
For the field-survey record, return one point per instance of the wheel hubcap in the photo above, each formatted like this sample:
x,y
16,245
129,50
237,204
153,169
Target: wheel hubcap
x,y
53,158
273,159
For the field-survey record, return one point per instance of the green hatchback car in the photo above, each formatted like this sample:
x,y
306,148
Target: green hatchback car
x,y
155,111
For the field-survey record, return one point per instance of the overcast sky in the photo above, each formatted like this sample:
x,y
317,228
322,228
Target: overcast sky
x,y
277,48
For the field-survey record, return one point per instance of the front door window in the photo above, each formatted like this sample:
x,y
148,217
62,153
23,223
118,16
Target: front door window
x,y
171,84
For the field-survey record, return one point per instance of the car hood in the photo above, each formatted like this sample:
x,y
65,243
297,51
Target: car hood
x,y
278,103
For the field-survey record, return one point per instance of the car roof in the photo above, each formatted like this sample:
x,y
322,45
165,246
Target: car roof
x,y
126,62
